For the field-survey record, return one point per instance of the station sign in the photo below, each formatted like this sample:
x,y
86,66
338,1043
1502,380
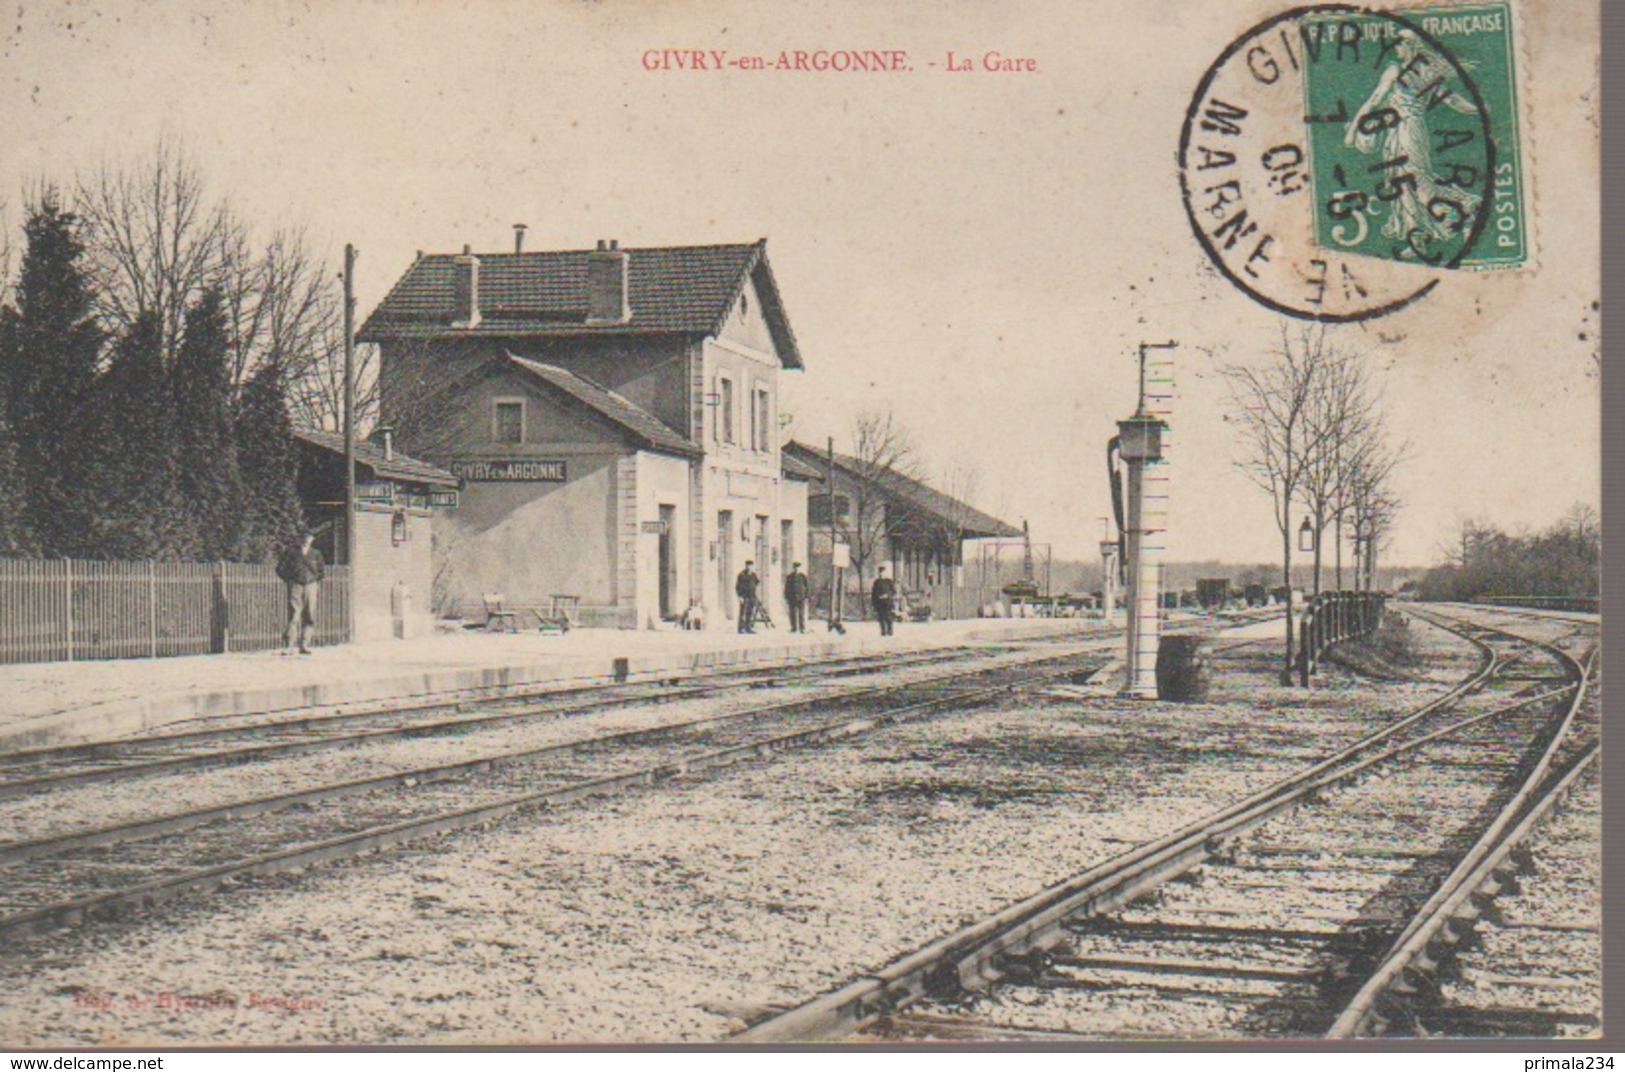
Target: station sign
x,y
375,491
655,527
514,469
439,500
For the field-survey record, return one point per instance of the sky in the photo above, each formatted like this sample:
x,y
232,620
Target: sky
x,y
980,251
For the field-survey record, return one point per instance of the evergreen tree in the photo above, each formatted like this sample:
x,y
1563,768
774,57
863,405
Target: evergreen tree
x,y
206,451
271,515
16,538
140,510
49,349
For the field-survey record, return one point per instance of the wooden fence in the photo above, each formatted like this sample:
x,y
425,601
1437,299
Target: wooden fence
x,y
61,609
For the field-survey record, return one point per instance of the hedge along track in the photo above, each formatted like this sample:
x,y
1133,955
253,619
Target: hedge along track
x,y
37,770
139,864
1015,944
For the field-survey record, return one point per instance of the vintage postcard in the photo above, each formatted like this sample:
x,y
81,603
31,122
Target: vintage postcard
x,y
549,523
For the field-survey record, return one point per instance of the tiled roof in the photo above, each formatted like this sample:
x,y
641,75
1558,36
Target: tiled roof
x,y
645,426
671,289
797,469
396,467
972,521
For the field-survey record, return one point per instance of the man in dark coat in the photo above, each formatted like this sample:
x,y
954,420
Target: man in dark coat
x,y
795,597
301,568
883,594
746,587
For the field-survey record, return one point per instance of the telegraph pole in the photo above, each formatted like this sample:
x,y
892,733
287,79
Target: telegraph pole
x,y
834,570
349,428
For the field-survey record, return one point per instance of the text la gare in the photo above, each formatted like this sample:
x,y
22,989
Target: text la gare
x,y
992,60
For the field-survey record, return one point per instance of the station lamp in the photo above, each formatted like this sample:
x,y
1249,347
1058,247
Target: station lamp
x,y
1306,536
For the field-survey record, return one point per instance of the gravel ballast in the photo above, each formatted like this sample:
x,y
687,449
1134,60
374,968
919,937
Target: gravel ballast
x,y
677,914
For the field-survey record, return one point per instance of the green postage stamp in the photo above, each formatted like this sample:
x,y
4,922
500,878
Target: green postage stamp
x,y
1413,135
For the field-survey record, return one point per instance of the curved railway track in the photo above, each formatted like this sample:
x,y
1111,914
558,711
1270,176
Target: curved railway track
x,y
66,879
1323,904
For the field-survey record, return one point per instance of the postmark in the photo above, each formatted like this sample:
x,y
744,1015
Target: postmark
x,y
1336,162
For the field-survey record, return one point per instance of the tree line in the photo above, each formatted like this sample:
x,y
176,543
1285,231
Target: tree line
x,y
1563,560
152,363
1309,418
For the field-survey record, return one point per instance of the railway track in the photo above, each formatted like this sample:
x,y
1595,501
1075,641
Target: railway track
x,y
1326,903
66,879
25,773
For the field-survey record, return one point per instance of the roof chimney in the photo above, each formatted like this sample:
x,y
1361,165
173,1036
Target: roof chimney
x,y
519,237
465,286
389,442
607,298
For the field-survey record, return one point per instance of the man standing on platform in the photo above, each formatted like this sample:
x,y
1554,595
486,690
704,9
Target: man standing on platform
x,y
795,597
884,596
746,587
301,569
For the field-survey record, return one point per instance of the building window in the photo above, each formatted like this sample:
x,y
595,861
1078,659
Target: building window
x,y
764,437
818,510
755,439
726,404
508,421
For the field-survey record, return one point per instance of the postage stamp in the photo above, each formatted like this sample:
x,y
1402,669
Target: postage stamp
x,y
1413,135
1336,161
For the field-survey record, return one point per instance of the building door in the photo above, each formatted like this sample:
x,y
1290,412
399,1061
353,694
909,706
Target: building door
x,y
725,563
668,562
764,541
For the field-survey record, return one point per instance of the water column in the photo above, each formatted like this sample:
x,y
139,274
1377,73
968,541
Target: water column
x,y
1108,581
1146,520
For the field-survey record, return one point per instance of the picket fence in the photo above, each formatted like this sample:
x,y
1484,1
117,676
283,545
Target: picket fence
x,y
62,609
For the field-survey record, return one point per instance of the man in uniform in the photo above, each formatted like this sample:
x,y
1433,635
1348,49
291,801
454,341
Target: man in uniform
x,y
745,587
795,597
883,595
301,568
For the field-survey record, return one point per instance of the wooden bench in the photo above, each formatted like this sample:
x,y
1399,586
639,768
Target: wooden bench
x,y
498,617
560,616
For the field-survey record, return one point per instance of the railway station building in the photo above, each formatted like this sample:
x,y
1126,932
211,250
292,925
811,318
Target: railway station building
x,y
392,576
916,531
613,417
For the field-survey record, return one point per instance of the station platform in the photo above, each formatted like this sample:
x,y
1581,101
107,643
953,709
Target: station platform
x,y
44,704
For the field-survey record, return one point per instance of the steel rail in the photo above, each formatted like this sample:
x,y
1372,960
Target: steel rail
x,y
387,836
1409,948
286,749
177,822
972,955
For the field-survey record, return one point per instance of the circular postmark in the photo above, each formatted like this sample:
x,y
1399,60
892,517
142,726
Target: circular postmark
x,y
1335,161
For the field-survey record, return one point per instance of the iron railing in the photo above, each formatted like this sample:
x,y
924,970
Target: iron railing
x,y
1332,617
63,609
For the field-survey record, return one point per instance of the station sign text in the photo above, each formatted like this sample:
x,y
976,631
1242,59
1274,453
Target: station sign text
x,y
514,469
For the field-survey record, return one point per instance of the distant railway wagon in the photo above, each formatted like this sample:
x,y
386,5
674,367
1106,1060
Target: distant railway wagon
x,y
1212,592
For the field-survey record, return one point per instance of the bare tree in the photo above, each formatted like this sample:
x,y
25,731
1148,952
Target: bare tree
x,y
1374,508
1342,415
286,309
155,242
1280,442
882,450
